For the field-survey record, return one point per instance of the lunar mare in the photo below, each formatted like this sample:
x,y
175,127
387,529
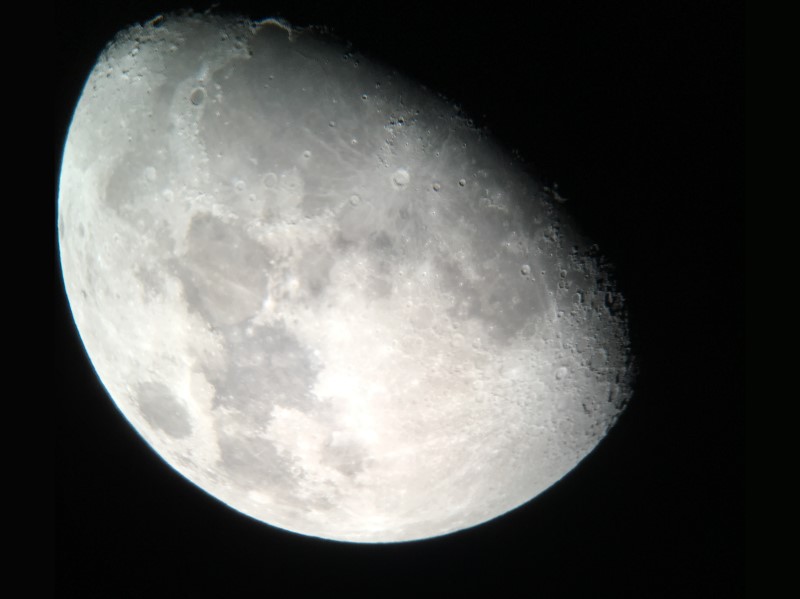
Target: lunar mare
x,y
320,294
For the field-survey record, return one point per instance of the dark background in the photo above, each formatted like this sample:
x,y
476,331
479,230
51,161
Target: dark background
x,y
636,110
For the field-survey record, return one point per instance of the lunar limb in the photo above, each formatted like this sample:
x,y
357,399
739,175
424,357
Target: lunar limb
x,y
320,294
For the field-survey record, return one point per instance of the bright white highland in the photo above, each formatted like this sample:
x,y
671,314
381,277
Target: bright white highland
x,y
322,296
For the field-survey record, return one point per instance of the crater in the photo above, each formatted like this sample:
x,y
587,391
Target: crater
x,y
197,96
400,178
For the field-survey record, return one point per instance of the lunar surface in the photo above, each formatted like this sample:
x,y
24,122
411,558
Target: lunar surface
x,y
319,293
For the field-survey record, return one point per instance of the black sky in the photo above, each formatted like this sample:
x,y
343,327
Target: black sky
x,y
637,112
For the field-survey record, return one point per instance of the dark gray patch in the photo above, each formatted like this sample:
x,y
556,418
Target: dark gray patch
x,y
314,204
378,288
152,281
230,126
341,244
349,458
162,410
128,182
266,367
315,269
501,299
380,241
253,463
223,272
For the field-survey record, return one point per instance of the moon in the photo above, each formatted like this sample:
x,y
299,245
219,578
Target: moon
x,y
323,296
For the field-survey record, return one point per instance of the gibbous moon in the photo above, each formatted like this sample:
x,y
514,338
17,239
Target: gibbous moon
x,y
320,294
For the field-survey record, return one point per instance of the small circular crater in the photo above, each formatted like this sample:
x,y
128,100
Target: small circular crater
x,y
197,96
437,186
355,200
462,182
525,270
150,173
270,180
307,154
239,185
400,178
